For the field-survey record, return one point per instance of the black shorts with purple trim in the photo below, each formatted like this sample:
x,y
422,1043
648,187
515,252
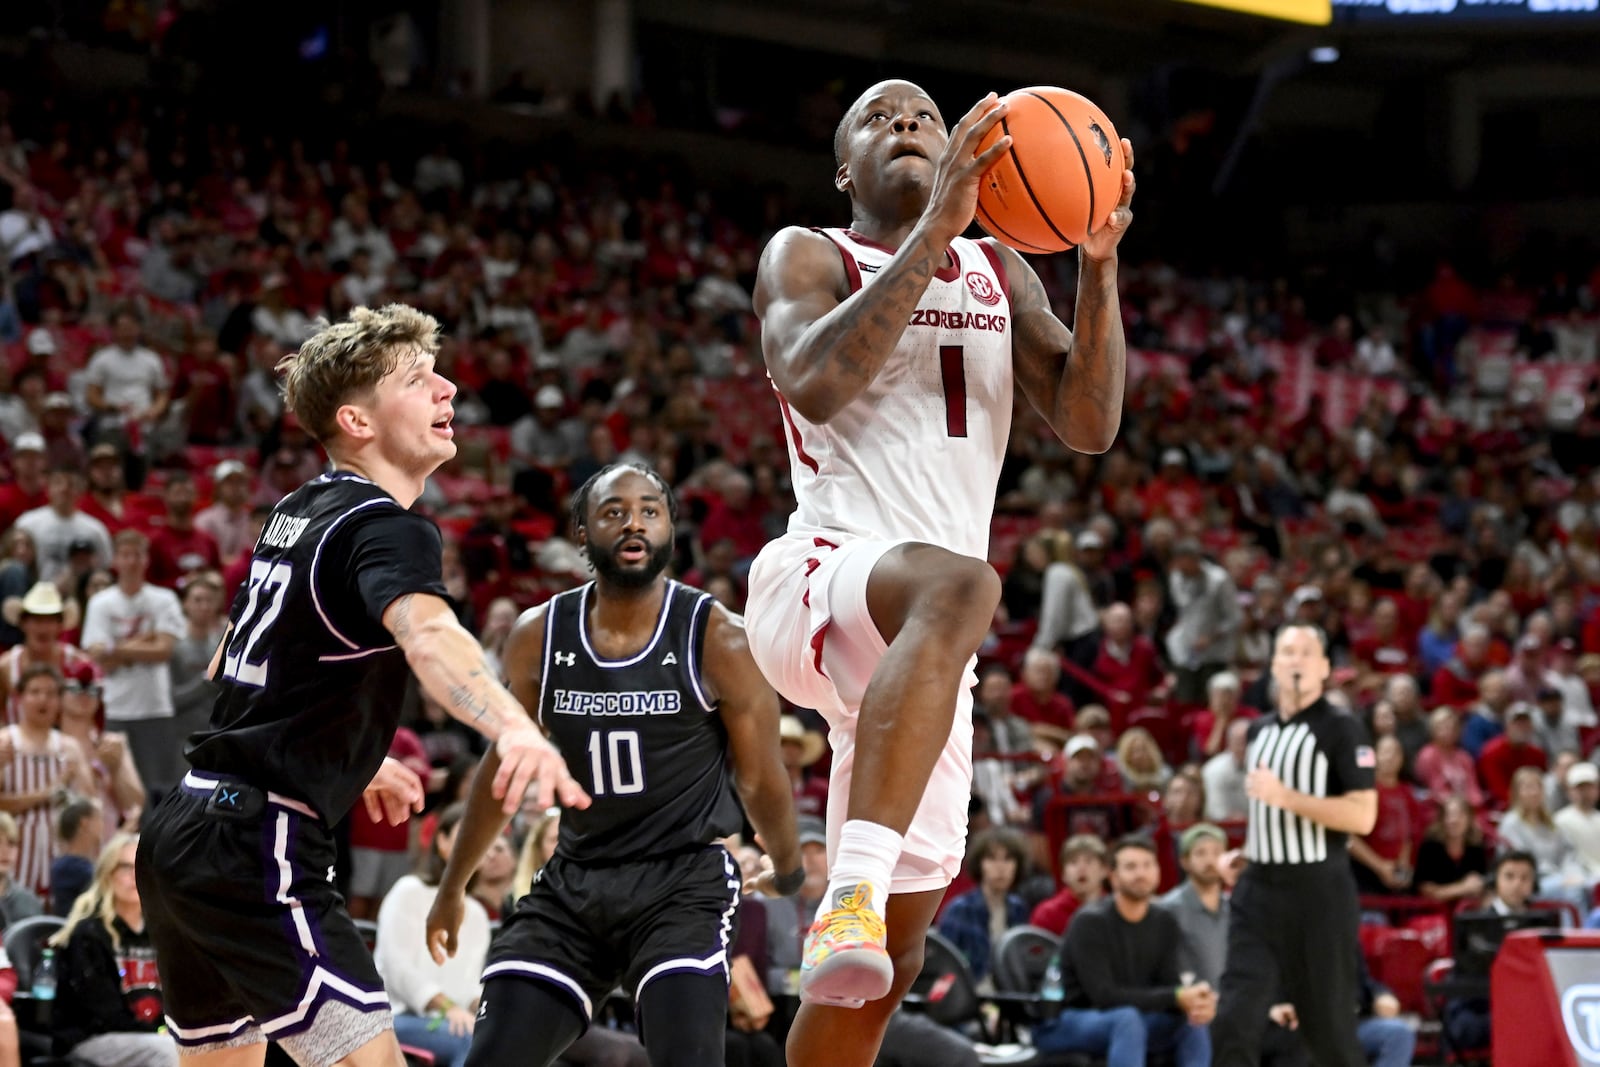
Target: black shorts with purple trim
x,y
251,937
585,928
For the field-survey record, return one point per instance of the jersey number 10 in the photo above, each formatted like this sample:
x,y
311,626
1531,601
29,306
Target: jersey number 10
x,y
626,775
268,582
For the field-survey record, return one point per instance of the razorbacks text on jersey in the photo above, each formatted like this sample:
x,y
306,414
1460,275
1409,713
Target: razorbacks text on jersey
x,y
311,683
639,734
917,455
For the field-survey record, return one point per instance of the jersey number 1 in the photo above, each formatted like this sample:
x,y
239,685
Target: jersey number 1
x,y
268,582
954,372
626,769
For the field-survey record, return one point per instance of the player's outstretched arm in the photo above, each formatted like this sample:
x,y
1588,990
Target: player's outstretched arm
x,y
824,345
750,713
451,668
485,818
1075,378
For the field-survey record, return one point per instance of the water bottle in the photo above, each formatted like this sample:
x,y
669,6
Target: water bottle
x,y
44,977
1050,991
44,987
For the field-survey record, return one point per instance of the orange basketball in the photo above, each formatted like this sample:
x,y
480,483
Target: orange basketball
x,y
1062,177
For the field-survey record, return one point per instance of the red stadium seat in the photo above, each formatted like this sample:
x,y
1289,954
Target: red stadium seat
x,y
1402,962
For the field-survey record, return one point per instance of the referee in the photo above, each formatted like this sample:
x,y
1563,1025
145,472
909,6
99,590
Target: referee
x,y
1294,912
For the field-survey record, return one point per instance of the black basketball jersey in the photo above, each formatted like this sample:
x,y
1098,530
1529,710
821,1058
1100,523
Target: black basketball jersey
x,y
311,683
639,734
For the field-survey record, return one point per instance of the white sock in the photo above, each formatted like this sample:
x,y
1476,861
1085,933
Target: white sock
x,y
868,852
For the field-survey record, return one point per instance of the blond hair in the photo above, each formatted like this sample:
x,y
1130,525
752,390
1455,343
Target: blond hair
x,y
345,361
98,900
533,856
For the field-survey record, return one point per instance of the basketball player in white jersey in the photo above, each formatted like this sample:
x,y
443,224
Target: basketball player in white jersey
x,y
893,347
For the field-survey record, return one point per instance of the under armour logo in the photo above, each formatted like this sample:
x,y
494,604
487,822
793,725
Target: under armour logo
x,y
330,873
670,660
566,659
230,799
483,1008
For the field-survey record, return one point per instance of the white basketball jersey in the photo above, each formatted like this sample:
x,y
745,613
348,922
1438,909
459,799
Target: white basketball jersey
x,y
918,454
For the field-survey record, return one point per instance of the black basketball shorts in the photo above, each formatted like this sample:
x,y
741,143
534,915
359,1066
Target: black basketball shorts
x,y
252,939
584,929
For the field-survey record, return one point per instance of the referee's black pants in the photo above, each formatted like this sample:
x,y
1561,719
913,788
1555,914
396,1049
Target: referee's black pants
x,y
1292,936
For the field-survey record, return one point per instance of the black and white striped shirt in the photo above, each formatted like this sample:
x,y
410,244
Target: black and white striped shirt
x,y
1321,752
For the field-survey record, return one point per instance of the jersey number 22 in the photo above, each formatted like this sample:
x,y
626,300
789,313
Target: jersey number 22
x,y
268,582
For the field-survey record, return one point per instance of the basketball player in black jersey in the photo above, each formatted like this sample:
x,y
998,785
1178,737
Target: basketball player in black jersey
x,y
343,603
647,686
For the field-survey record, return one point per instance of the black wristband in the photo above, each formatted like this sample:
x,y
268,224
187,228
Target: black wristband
x,y
789,884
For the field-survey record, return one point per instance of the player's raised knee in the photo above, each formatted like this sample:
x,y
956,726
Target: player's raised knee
x,y
961,593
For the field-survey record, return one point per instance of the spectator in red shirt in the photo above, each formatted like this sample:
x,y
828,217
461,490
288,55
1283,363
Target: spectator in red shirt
x,y
108,498
735,516
26,490
1127,662
1383,860
1084,866
1525,676
1456,683
1035,697
801,748
1174,493
1444,768
1516,748
227,519
177,546
205,385
1384,650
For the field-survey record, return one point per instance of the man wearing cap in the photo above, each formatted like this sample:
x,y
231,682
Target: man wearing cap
x,y
275,316
26,490
1503,756
1579,822
1556,728
1205,637
126,383
1200,905
1097,576
57,525
1563,676
544,438
227,517
40,616
108,498
1174,493
801,748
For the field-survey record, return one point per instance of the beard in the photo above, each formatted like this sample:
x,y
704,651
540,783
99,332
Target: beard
x,y
630,576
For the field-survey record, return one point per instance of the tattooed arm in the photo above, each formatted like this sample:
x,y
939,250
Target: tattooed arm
x,y
1076,378
823,344
451,668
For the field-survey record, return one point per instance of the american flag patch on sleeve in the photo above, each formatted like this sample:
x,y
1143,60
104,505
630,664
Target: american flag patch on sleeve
x,y
1365,757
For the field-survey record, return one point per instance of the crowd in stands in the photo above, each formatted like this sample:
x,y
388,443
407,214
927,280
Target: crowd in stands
x,y
1413,471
